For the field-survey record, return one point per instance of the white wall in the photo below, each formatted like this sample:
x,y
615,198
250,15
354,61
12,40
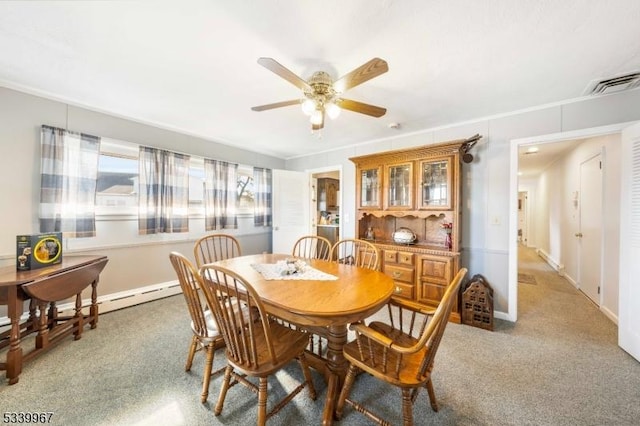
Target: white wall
x,y
486,181
134,261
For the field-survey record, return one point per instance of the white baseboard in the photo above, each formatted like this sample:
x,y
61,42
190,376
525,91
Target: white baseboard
x,y
115,301
558,267
613,317
502,316
572,281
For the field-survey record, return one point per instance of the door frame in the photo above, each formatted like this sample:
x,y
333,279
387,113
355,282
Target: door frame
x,y
600,156
327,169
512,300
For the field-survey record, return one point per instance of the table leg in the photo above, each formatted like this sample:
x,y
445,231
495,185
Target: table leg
x,y
53,314
337,366
33,318
14,356
42,339
93,311
78,318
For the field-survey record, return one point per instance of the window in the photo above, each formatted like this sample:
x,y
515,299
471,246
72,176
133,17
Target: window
x,y
245,189
117,185
196,187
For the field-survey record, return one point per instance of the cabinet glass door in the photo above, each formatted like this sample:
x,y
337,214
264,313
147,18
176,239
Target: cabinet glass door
x,y
435,185
400,188
370,188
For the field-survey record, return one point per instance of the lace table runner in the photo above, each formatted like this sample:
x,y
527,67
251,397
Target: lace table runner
x,y
278,271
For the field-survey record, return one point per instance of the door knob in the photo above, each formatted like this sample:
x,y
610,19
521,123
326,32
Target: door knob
x,y
578,234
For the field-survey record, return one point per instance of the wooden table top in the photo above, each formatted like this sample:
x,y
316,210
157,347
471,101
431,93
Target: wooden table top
x,y
10,276
356,293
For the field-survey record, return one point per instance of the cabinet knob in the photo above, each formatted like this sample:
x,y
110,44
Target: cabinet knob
x,y
396,274
578,234
397,290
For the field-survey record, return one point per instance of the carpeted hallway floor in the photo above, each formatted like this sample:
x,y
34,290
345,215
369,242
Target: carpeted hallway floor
x,y
559,364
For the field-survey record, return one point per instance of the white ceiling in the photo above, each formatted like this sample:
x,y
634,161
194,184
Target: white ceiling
x,y
191,66
533,159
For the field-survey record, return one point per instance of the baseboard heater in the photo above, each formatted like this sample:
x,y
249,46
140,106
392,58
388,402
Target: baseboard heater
x,y
114,301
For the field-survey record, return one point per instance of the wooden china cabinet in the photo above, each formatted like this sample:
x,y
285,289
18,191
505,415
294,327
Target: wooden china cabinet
x,y
418,189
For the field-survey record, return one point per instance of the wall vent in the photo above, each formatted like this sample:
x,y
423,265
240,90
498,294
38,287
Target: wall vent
x,y
613,85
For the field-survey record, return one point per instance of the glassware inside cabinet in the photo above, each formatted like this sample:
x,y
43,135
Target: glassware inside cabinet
x,y
436,184
400,186
370,188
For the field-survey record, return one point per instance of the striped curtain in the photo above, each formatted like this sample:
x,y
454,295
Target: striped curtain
x,y
220,195
69,171
262,196
163,204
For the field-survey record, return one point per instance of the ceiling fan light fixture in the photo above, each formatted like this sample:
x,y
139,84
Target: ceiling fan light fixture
x,y
322,93
308,107
316,117
333,110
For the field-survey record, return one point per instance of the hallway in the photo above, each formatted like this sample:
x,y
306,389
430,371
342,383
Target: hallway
x,y
542,292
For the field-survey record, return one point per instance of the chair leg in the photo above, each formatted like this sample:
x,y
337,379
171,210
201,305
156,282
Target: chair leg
x,y
407,407
206,377
192,351
346,389
223,390
432,396
262,402
307,377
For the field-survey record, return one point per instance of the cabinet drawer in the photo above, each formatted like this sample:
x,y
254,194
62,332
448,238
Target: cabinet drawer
x,y
390,256
436,269
431,293
403,290
399,274
405,258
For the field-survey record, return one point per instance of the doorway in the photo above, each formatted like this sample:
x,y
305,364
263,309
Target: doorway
x,y
325,202
603,131
589,234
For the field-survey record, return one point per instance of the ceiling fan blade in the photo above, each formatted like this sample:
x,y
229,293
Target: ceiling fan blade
x,y
276,67
318,126
355,106
276,105
363,73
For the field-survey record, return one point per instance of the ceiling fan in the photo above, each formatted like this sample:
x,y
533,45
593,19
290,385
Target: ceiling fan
x,y
322,95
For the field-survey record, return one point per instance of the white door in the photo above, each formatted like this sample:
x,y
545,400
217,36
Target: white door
x,y
629,298
291,213
523,218
590,233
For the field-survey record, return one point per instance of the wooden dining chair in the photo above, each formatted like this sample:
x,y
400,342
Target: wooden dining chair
x,y
256,345
312,247
205,329
214,247
351,252
400,352
356,252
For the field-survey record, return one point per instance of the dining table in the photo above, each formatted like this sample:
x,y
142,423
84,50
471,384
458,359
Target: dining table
x,y
336,296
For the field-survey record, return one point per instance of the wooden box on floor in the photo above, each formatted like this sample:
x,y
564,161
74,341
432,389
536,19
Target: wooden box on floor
x,y
477,303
